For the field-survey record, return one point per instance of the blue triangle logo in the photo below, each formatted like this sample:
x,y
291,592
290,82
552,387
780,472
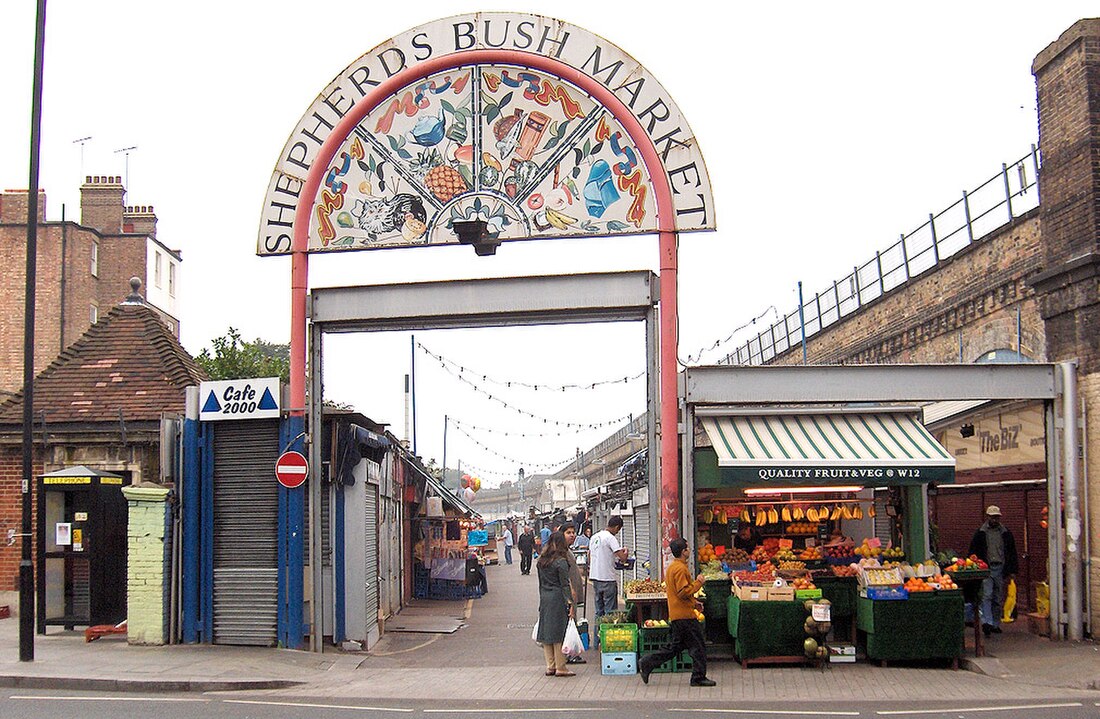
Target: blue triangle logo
x,y
212,404
267,401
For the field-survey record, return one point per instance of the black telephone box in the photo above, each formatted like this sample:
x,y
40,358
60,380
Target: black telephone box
x,y
82,521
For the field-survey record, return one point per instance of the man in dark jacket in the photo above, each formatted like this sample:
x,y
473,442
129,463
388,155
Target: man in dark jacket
x,y
526,546
994,544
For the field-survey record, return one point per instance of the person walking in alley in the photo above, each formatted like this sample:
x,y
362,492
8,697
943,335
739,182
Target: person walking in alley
x,y
507,544
685,632
526,545
576,581
603,550
555,603
995,545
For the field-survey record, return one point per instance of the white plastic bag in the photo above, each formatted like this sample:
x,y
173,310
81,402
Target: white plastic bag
x,y
535,632
572,644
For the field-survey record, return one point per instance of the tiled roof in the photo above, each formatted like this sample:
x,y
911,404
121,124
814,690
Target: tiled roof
x,y
127,361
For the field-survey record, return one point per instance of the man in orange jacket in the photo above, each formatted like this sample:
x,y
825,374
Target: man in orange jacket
x,y
686,632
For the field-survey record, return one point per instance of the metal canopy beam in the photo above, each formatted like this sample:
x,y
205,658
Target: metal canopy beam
x,y
868,383
499,302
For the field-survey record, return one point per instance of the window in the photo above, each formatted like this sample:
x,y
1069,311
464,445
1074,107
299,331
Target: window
x,y
171,279
156,269
95,259
93,315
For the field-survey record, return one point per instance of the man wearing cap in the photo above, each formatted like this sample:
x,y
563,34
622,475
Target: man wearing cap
x,y
994,544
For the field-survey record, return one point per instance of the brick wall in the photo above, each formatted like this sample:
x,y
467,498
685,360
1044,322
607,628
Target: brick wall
x,y
1067,75
11,517
147,568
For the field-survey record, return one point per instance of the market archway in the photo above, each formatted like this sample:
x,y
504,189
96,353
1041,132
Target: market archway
x,y
481,129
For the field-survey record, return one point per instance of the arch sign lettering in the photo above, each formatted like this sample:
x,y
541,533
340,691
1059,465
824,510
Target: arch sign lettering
x,y
527,151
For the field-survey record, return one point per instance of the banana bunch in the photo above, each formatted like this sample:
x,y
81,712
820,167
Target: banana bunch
x,y
797,514
871,511
560,220
744,517
857,512
811,515
785,515
708,517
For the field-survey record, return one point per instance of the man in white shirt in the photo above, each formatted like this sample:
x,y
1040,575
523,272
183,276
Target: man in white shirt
x,y
603,550
507,544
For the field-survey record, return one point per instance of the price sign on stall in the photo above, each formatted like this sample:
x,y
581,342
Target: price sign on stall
x,y
821,612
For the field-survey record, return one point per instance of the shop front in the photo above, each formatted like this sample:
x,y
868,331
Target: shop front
x,y
802,505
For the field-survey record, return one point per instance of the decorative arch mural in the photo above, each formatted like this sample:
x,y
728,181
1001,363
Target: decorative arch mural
x,y
527,151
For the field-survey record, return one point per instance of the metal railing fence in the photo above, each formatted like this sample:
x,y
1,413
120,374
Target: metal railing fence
x,y
995,203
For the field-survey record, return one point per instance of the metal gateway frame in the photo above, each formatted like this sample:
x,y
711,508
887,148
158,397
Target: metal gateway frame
x,y
503,302
709,391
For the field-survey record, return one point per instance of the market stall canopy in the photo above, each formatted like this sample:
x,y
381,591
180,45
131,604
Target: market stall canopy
x,y
868,448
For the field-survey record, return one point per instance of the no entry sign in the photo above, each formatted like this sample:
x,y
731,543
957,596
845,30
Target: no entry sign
x,y
291,469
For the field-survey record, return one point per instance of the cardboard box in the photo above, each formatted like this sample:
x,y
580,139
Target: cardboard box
x,y
780,594
842,653
752,594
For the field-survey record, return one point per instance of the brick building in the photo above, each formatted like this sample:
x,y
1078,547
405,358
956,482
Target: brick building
x,y
1029,290
106,402
82,267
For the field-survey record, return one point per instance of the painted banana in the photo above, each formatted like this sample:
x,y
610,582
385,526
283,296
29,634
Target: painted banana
x,y
560,220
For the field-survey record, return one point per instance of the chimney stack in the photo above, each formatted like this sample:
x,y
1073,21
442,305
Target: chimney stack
x,y
139,219
101,203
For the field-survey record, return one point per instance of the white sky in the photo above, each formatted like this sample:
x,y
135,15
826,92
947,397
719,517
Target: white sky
x,y
828,129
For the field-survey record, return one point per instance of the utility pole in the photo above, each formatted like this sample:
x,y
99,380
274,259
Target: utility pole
x,y
26,564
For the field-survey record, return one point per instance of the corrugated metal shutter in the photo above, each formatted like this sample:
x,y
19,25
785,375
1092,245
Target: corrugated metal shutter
x,y
370,558
641,541
246,519
883,522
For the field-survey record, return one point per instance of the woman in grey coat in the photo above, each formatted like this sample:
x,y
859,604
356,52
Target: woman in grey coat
x,y
555,603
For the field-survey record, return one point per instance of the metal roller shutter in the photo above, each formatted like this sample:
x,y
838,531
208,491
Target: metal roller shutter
x,y
370,558
641,541
246,519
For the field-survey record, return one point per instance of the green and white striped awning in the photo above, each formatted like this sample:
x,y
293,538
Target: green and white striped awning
x,y
866,448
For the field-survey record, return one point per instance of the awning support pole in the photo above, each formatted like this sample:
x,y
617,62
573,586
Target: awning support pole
x,y
1074,631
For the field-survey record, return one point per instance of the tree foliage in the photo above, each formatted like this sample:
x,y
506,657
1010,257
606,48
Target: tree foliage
x,y
230,357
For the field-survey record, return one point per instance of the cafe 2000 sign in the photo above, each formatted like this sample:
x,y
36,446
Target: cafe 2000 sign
x,y
239,399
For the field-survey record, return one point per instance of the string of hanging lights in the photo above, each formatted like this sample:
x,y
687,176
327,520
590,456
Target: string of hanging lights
x,y
512,383
698,356
513,433
529,465
532,415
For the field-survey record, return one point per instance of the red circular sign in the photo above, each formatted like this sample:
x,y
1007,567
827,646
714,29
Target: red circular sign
x,y
291,469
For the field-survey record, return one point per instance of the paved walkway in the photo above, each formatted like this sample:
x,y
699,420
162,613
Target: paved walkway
x,y
492,659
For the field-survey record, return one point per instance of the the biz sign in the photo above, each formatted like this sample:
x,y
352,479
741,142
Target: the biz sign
x,y
239,399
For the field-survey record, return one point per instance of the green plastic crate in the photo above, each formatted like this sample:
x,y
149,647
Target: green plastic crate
x,y
618,637
652,639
